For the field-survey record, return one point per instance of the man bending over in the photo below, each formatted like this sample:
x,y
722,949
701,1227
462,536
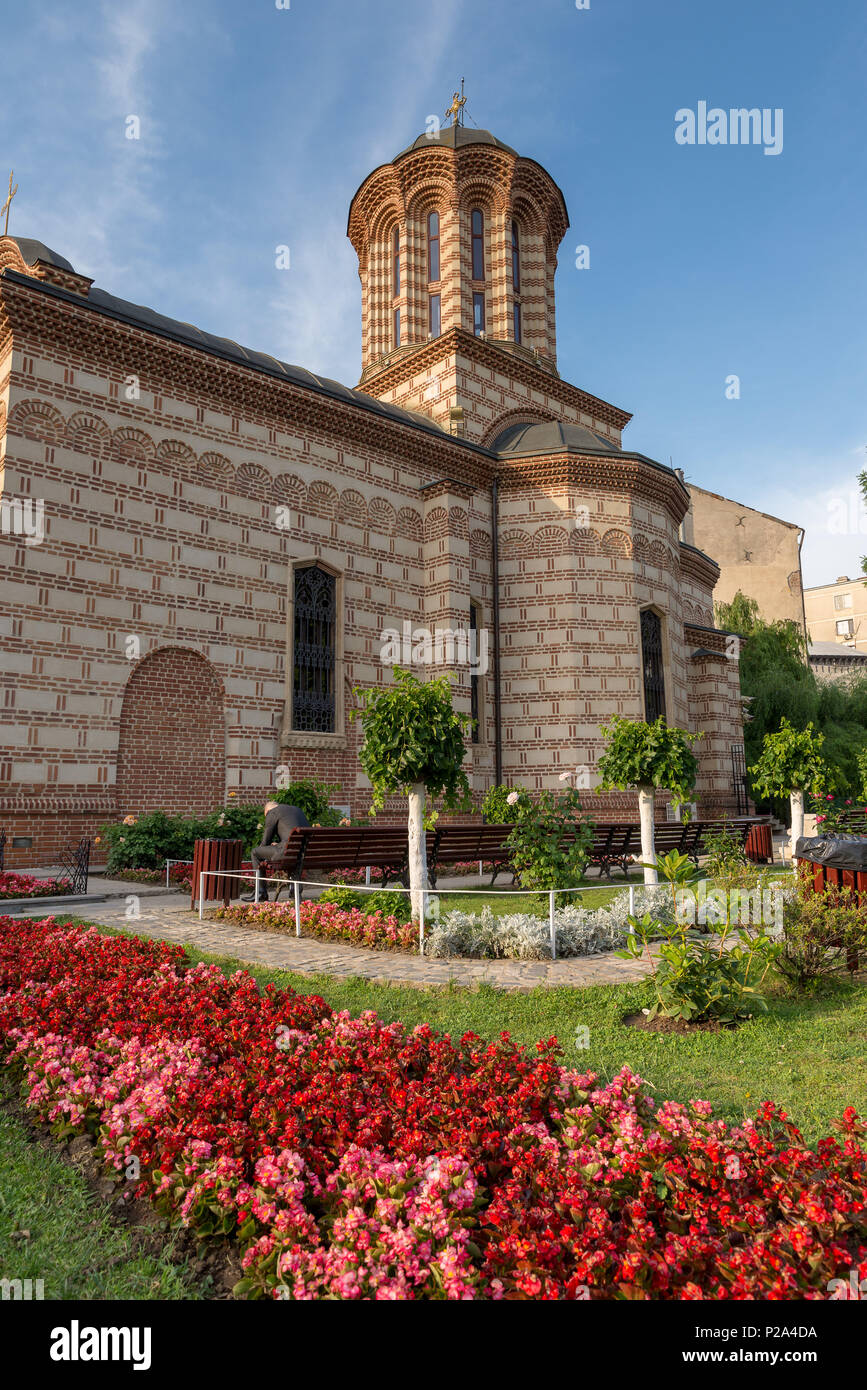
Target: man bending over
x,y
280,823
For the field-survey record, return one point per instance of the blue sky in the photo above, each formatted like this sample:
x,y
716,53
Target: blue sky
x,y
258,124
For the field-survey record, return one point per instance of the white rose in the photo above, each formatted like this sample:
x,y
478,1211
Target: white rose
x,y
512,798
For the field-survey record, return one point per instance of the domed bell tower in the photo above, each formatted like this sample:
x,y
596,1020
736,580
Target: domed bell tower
x,y
457,244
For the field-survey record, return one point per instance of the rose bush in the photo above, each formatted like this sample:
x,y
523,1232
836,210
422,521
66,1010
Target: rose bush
x,y
354,1159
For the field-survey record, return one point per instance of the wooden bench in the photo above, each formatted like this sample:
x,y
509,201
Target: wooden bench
x,y
460,844
317,850
615,845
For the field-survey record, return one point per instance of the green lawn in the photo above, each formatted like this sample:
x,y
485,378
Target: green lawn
x,y
52,1228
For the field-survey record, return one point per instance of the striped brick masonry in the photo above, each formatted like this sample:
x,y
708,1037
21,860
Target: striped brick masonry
x,y
147,640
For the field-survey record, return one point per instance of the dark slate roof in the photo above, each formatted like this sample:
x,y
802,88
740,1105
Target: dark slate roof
x,y
33,251
455,136
551,437
139,316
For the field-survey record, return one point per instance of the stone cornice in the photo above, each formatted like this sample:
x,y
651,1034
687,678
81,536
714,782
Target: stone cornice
x,y
615,472
51,316
706,639
698,566
458,342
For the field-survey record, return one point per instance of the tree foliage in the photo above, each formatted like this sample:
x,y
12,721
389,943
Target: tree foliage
x,y
412,734
780,685
647,755
791,760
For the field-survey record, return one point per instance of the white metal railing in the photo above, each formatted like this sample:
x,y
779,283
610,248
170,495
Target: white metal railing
x,y
297,884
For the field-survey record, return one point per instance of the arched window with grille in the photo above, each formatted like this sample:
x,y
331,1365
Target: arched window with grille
x,y
477,221
433,246
395,263
314,650
653,667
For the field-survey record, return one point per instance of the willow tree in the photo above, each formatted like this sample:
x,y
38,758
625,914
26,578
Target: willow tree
x,y
647,758
791,764
414,744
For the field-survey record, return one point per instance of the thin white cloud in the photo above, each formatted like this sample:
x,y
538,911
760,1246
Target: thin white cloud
x,y
834,516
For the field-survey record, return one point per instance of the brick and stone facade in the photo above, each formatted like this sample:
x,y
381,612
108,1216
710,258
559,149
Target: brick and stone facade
x,y
146,625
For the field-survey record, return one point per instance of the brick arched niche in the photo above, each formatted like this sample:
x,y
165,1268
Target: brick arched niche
x,y
172,743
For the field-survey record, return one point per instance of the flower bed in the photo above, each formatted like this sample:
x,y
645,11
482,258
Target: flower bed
x,y
325,920
13,885
178,873
352,1159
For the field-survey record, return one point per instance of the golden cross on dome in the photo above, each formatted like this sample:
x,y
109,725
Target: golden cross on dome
x,y
8,204
456,110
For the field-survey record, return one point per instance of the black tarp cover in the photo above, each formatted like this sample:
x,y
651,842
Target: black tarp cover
x,y
836,851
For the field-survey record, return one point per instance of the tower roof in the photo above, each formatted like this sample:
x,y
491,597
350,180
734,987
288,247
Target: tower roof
x,y
551,437
454,137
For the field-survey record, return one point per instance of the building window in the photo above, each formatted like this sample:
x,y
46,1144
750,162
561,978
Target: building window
x,y
516,260
478,226
474,677
397,328
845,627
315,609
478,314
396,262
434,316
433,246
517,322
652,663
842,601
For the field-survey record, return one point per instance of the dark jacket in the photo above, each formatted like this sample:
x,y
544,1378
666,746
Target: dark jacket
x,y
280,822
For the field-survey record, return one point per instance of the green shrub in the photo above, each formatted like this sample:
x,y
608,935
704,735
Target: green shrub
x,y
396,905
146,842
819,932
312,797
550,841
496,809
693,978
237,822
725,853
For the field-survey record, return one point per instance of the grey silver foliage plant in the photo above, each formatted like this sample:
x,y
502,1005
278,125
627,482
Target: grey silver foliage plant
x,y
522,936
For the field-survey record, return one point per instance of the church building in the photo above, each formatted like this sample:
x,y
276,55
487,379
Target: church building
x,y
204,550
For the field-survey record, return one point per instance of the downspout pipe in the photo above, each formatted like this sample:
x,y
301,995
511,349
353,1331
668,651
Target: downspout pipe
x,y
495,580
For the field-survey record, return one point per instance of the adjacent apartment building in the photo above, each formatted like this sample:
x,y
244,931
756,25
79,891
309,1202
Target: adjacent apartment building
x,y
838,612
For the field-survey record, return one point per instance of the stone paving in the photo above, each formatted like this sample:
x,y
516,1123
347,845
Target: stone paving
x,y
169,918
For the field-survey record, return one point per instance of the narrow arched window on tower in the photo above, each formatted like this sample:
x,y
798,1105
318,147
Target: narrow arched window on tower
x,y
516,260
516,284
478,230
395,285
433,246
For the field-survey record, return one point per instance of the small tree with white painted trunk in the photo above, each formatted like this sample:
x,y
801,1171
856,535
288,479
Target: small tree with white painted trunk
x,y
791,764
414,744
647,758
